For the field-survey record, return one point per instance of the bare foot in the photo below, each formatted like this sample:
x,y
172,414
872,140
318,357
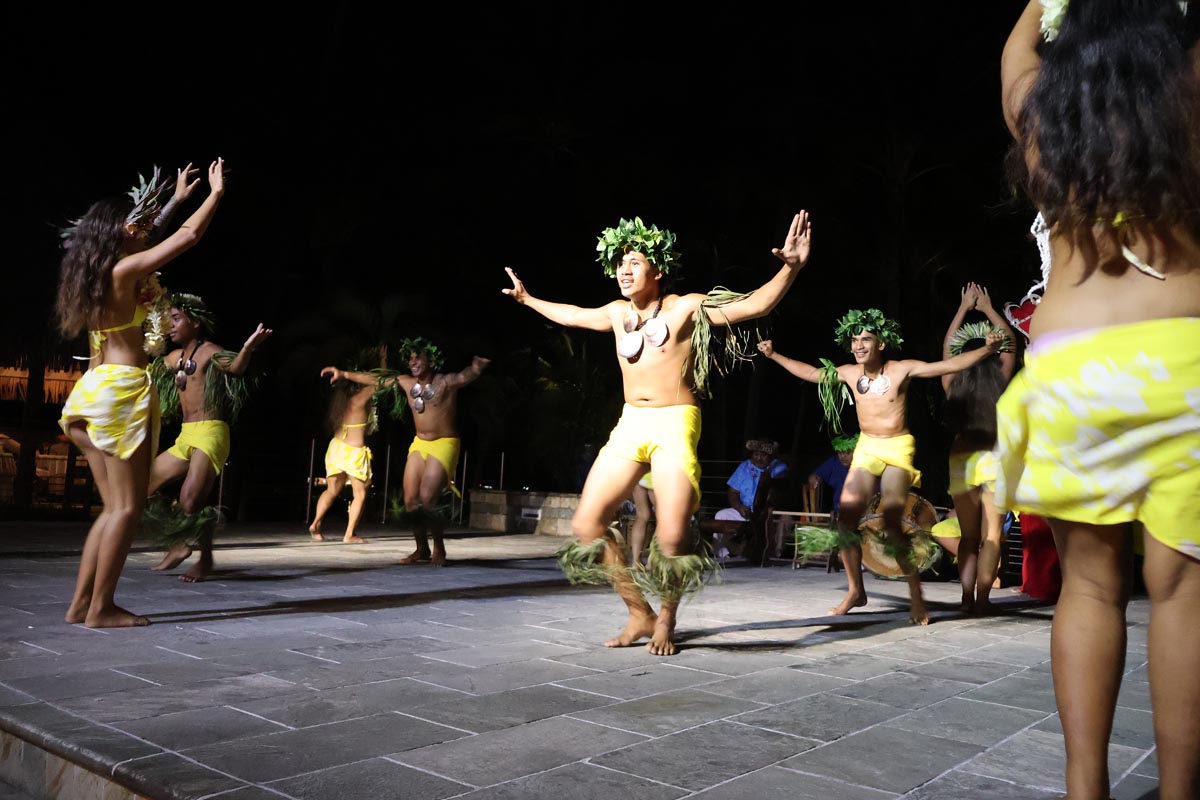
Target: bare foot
x,y
918,614
439,557
350,538
115,617
984,608
968,605
415,557
77,612
662,643
197,573
174,557
852,600
639,627
315,533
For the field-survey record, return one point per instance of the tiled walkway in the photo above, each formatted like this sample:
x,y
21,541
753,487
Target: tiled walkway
x,y
309,670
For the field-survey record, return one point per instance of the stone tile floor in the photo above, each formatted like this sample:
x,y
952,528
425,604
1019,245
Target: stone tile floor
x,y
307,670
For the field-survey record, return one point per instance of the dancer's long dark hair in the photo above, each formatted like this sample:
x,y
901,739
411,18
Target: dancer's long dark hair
x,y
971,403
343,390
91,252
1112,122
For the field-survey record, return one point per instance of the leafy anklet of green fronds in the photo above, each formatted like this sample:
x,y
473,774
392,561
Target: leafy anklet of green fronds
x,y
671,578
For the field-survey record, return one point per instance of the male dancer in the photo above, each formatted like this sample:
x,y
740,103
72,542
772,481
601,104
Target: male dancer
x,y
883,456
659,429
433,456
202,382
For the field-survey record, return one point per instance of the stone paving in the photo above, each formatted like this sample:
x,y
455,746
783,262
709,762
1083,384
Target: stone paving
x,y
306,670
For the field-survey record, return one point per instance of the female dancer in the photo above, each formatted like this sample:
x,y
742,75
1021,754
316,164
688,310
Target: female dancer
x,y
971,397
1101,428
107,284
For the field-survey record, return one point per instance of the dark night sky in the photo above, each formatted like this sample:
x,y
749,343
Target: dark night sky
x,y
401,159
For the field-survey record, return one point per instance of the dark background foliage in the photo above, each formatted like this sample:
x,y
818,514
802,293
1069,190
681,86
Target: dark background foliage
x,y
388,162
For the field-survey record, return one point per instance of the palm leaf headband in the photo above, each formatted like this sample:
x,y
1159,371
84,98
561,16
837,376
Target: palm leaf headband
x,y
977,331
873,320
420,344
147,201
633,235
196,309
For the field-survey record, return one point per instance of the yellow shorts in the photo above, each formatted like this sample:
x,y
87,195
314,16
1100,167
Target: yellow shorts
x,y
969,470
346,458
209,436
874,454
1103,427
674,430
444,451
949,528
120,406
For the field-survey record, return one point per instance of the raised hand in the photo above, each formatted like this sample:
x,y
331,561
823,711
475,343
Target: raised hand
x,y
798,243
184,185
258,337
970,296
517,292
994,341
216,176
984,300
334,374
766,347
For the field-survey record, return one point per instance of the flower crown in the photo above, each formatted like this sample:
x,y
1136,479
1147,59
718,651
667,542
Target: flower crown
x,y
196,309
1053,12
657,245
419,344
147,201
873,320
978,331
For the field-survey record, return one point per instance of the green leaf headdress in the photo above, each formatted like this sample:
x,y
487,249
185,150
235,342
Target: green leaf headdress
x,y
196,309
147,198
977,331
856,321
419,344
657,245
844,444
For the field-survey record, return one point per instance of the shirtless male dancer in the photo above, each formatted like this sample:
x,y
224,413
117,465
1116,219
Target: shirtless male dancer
x,y
202,382
659,427
883,457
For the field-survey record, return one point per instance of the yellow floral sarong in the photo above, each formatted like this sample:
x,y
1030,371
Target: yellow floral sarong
x,y
120,406
346,458
444,451
209,436
969,470
1103,427
875,453
675,430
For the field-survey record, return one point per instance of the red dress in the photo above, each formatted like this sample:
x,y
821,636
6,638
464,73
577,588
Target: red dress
x,y
1041,576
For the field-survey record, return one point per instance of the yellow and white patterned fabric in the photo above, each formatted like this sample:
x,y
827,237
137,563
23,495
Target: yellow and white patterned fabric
x,y
209,436
444,451
120,407
346,458
674,430
874,454
969,470
1103,427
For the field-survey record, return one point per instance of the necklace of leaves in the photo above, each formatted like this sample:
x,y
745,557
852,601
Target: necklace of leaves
x,y
652,330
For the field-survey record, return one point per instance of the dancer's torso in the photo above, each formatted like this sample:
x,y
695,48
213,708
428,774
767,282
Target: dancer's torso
x,y
191,398
660,376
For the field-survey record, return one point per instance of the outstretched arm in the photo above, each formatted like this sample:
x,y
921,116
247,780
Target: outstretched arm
x,y
1019,63
805,372
365,378
936,369
970,295
137,265
593,319
478,364
1008,358
242,360
794,255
